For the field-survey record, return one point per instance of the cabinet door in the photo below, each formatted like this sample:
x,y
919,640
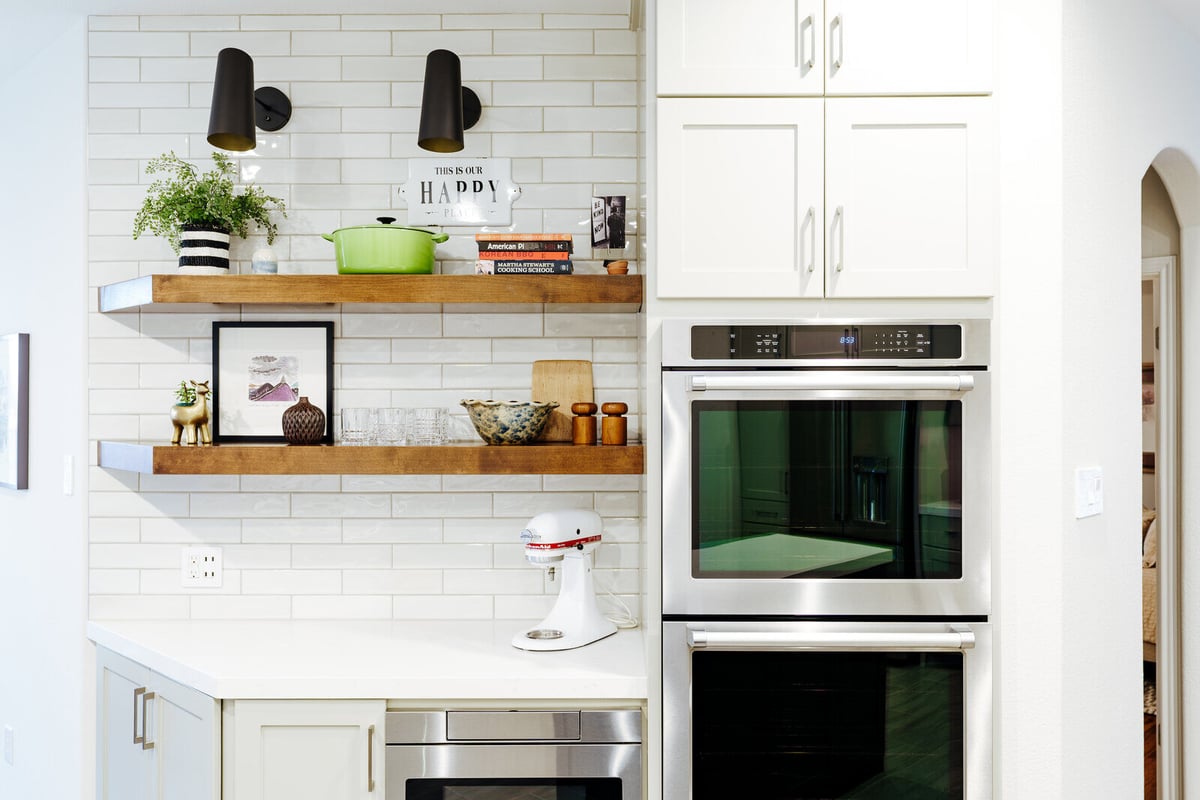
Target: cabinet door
x,y
879,47
909,193
304,750
184,726
753,47
124,769
739,197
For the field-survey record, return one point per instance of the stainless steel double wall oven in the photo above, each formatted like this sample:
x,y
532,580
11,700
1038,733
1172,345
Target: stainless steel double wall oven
x,y
826,559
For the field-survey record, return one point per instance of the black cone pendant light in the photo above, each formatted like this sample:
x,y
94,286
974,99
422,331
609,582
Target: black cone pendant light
x,y
447,108
236,107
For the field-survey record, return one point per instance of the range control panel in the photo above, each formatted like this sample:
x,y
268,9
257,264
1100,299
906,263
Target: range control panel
x,y
891,341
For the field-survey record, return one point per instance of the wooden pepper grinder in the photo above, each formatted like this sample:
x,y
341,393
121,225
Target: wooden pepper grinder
x,y
583,424
614,427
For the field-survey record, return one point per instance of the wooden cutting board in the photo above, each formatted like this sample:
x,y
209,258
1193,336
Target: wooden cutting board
x,y
566,382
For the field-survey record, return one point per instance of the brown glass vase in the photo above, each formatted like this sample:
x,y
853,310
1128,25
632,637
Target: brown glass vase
x,y
303,423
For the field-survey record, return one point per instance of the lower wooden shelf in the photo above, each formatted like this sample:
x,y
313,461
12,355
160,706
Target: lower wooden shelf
x,y
453,459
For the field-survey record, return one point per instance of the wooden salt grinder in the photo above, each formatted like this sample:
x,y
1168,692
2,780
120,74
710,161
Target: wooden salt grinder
x,y
614,426
583,424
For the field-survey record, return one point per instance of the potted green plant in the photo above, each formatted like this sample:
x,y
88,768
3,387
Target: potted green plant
x,y
197,212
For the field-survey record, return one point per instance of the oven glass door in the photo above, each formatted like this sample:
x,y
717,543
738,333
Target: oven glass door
x,y
871,721
826,487
513,789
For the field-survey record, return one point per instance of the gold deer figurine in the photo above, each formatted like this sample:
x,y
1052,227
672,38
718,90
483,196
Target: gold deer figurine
x,y
192,418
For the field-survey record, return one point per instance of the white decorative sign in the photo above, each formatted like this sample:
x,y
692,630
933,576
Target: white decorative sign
x,y
460,191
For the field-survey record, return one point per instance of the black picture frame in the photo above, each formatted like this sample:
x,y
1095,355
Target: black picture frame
x,y
298,354
14,411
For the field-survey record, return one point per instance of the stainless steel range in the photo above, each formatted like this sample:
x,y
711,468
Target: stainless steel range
x,y
826,558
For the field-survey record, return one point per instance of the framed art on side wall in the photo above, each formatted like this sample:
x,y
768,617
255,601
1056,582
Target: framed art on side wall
x,y
260,369
14,411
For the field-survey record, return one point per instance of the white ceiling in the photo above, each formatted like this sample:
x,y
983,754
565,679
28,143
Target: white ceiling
x,y
1186,11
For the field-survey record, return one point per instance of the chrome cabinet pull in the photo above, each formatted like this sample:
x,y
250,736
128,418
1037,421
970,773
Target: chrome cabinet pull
x,y
370,758
810,222
146,743
840,223
838,44
810,24
136,694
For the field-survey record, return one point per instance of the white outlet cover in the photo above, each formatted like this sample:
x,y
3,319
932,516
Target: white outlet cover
x,y
1089,492
201,568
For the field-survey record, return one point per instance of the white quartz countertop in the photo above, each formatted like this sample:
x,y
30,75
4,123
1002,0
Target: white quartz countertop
x,y
293,659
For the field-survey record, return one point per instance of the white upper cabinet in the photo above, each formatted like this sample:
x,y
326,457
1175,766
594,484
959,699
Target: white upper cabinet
x,y
752,47
740,197
909,197
836,47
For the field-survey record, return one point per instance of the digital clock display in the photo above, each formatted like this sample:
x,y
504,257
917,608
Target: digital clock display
x,y
848,340
820,341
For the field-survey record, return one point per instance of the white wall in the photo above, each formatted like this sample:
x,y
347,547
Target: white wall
x,y
45,677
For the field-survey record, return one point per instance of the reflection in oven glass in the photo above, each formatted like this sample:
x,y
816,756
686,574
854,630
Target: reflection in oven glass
x,y
827,489
823,725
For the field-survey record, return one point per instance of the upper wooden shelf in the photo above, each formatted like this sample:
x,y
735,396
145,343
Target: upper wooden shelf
x,y
622,292
452,459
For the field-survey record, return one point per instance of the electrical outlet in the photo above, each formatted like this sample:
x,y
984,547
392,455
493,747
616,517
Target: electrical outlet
x,y
8,744
202,567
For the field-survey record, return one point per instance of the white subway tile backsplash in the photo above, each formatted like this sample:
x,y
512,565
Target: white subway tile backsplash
x,y
343,607
189,23
340,505
257,43
420,43
560,97
390,22
490,22
245,504
441,606
291,22
344,556
241,607
132,44
341,43
562,42
395,531
286,531
490,581
392,581
287,581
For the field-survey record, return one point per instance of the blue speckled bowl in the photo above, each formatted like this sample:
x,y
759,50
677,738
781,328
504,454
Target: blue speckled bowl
x,y
508,421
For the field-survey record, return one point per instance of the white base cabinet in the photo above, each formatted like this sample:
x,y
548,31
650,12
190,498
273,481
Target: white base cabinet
x,y
156,739
837,197
835,47
304,749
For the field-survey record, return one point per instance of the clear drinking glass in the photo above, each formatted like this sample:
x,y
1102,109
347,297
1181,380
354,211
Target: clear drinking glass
x,y
392,426
427,426
358,426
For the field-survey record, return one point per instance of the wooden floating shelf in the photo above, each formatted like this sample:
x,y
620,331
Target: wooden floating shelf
x,y
452,459
623,292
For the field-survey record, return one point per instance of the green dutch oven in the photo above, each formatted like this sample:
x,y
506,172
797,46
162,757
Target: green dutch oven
x,y
384,248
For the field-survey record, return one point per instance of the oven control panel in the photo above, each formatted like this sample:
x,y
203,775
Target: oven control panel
x,y
891,341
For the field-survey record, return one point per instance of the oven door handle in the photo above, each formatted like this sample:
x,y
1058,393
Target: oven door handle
x,y
957,638
867,381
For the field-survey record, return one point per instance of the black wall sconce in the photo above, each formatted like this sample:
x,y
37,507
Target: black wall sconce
x,y
237,108
447,107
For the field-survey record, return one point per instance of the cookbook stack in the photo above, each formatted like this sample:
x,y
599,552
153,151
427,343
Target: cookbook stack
x,y
524,254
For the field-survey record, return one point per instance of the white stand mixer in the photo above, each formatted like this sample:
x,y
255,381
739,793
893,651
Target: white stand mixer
x,y
567,538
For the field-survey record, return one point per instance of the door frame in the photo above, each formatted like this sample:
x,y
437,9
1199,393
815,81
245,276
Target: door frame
x,y
1163,273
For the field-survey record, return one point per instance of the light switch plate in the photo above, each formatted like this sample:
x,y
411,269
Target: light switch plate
x,y
1089,492
8,744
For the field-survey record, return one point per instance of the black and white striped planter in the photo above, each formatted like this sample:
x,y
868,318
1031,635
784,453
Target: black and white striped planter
x,y
203,250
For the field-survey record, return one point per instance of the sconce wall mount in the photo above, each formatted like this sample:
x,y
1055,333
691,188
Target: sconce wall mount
x,y
447,107
237,108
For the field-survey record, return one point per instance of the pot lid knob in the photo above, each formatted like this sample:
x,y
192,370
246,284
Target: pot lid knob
x,y
386,220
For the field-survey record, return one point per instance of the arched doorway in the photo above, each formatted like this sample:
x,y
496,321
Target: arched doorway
x,y
1163,552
